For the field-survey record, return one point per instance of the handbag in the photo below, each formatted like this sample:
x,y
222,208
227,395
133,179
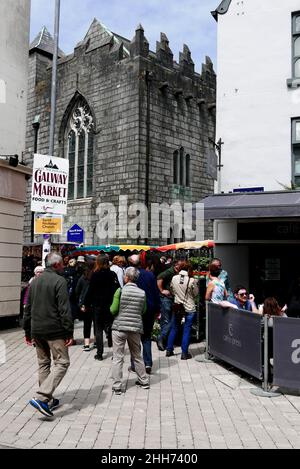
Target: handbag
x,y
178,308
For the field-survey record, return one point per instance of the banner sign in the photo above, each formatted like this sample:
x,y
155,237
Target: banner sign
x,y
212,164
50,185
235,336
286,352
48,224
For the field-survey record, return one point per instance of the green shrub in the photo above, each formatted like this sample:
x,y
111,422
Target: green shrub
x,y
200,263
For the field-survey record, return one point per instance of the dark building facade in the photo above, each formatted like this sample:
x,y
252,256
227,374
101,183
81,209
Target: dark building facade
x,y
132,123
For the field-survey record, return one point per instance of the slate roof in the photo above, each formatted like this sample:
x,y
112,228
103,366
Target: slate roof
x,y
44,43
99,36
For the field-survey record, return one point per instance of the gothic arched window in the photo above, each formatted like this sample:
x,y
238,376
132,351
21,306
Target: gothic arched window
x,y
181,168
80,152
188,170
176,167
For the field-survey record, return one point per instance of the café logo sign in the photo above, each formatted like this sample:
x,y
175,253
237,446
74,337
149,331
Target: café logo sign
x,y
230,339
50,185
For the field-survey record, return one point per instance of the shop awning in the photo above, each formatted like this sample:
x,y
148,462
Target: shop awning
x,y
112,248
279,204
187,245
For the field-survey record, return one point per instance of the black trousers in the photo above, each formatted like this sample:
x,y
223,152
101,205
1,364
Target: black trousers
x,y
88,320
103,322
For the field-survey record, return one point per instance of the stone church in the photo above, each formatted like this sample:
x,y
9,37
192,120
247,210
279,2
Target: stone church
x,y
132,122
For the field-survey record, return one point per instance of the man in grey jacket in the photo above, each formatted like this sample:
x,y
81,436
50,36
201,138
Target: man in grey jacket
x,y
48,326
128,307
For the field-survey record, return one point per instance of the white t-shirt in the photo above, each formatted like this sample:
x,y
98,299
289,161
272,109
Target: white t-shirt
x,y
120,273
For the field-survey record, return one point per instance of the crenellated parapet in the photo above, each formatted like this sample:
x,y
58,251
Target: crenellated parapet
x,y
186,63
208,67
163,52
139,46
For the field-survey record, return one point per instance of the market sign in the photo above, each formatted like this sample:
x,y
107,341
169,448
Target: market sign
x,y
48,224
50,185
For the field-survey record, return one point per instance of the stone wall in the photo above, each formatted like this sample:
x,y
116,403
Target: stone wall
x,y
143,105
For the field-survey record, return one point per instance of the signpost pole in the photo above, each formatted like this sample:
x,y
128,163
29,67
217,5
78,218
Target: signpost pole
x,y
206,358
54,77
47,242
46,249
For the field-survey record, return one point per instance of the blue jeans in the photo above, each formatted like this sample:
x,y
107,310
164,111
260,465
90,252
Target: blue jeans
x,y
148,322
165,316
175,324
147,353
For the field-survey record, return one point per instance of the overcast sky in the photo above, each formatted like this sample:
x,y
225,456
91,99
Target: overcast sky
x,y
183,21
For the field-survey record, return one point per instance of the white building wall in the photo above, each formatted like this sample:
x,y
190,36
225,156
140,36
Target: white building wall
x,y
14,43
254,104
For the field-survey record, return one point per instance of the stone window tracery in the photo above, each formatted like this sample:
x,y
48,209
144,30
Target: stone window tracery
x,y
80,134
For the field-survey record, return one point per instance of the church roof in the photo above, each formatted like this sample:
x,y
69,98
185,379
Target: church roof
x,y
44,43
99,35
221,9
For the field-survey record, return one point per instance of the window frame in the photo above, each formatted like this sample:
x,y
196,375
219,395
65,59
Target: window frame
x,y
295,145
88,132
188,170
182,179
182,168
295,36
176,168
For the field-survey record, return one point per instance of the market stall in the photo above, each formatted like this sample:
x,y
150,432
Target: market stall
x,y
199,253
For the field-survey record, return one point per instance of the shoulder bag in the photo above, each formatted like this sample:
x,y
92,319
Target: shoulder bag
x,y
178,308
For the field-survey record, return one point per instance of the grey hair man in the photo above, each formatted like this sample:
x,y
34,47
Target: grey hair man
x,y
147,282
128,307
48,326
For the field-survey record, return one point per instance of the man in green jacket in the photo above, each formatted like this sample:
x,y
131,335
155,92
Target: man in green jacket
x,y
48,326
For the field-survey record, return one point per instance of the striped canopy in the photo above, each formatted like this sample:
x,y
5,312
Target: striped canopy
x,y
136,247
113,248
187,245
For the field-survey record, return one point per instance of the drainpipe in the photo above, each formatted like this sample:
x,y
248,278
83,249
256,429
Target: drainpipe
x,y
148,127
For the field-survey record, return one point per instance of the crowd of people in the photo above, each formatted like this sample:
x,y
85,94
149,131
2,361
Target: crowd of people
x,y
218,291
121,298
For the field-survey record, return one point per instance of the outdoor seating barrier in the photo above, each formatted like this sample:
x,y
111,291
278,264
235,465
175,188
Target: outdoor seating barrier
x,y
235,337
286,352
246,341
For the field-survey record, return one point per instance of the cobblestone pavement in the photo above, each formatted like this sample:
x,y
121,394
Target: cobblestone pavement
x,y
190,405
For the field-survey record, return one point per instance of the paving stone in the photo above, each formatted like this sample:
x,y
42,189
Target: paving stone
x,y
176,413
